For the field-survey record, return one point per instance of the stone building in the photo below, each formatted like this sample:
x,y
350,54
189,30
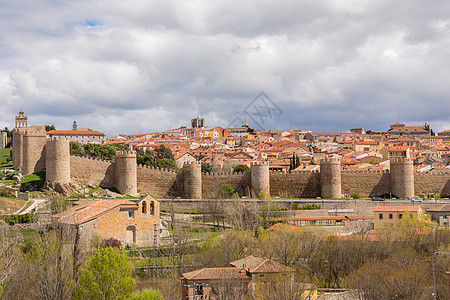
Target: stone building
x,y
248,275
80,135
389,215
132,222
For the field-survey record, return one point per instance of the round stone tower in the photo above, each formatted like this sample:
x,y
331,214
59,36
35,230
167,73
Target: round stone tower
x,y
260,178
192,177
402,178
17,148
330,178
33,149
126,172
57,161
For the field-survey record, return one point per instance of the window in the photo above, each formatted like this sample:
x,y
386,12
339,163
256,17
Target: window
x,y
400,216
391,216
144,207
131,215
152,208
380,216
261,275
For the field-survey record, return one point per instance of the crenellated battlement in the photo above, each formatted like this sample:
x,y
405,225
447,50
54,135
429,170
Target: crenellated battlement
x,y
33,152
126,153
330,160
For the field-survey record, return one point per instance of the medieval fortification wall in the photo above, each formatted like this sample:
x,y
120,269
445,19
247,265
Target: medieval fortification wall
x,y
32,152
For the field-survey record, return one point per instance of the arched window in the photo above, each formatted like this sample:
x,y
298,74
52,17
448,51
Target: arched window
x,y
144,207
152,208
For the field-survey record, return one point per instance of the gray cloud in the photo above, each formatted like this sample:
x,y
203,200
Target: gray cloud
x,y
143,66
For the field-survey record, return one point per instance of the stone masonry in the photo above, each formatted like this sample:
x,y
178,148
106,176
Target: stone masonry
x,y
124,174
260,178
330,178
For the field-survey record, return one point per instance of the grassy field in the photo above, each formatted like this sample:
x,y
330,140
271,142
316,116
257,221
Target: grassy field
x,y
5,156
37,179
10,205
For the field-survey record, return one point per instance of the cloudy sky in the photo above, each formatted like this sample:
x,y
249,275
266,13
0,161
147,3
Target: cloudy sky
x,y
134,66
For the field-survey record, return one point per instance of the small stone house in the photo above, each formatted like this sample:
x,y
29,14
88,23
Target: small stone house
x,y
132,222
388,215
245,276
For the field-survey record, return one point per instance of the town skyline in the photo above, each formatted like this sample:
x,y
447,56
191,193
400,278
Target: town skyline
x,y
150,66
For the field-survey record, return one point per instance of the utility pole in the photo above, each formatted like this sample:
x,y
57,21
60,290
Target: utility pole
x,y
434,272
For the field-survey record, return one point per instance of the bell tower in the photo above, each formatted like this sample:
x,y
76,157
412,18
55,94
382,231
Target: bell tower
x,y
21,120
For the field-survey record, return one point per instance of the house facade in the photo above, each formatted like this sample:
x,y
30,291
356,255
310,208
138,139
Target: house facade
x,y
249,276
389,215
132,222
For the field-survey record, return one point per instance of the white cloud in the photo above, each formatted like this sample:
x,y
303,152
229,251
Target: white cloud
x,y
137,66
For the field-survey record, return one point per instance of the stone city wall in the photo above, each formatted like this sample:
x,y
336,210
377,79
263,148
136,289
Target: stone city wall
x,y
435,183
211,183
303,184
365,183
159,183
94,171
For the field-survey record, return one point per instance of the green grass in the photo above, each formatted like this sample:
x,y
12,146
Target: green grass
x,y
37,179
29,203
5,156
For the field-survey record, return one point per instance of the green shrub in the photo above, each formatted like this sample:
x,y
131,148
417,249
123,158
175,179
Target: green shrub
x,y
241,168
263,196
19,219
227,190
355,196
295,206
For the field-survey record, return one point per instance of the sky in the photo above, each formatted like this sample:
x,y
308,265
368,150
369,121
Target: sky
x,y
137,66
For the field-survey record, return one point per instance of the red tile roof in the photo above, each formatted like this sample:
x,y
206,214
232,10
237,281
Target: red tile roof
x,y
74,132
216,274
260,265
397,208
78,215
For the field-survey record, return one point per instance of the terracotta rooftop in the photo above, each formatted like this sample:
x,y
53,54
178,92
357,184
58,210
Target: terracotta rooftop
x,y
216,274
74,132
78,215
397,208
260,265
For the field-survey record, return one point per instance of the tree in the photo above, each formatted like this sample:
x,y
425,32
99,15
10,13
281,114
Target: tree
x,y
145,158
206,168
49,127
164,152
107,276
75,148
166,163
312,162
241,168
200,157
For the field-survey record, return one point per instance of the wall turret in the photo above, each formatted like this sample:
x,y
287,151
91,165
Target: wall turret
x,y
402,178
192,176
126,172
33,149
17,150
57,162
260,178
330,178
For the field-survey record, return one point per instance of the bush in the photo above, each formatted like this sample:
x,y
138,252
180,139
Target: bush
x,y
241,168
226,190
295,206
355,196
19,219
